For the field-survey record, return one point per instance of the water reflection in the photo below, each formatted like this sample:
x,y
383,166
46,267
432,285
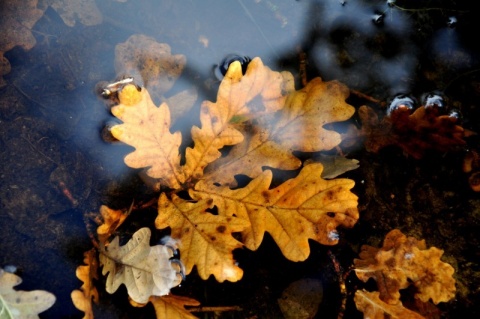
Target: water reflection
x,y
52,117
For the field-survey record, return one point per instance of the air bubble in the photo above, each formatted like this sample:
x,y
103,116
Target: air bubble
x,y
452,22
434,100
221,69
401,102
378,18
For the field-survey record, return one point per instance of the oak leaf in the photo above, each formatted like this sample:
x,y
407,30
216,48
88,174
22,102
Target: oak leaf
x,y
205,239
173,307
147,128
299,126
423,130
145,270
305,207
404,261
19,304
260,90
82,299
112,219
375,308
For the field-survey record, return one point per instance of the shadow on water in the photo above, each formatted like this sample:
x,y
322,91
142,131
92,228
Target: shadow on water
x,y
51,118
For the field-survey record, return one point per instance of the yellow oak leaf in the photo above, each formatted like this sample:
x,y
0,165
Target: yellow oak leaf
x,y
307,111
145,270
205,239
82,299
146,127
236,98
375,308
403,261
173,307
305,207
19,303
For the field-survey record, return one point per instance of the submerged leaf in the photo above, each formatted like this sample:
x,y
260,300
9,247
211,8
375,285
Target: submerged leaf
x,y
19,304
145,270
305,207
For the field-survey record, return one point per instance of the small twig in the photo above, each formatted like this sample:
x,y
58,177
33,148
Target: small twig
x,y
215,309
368,98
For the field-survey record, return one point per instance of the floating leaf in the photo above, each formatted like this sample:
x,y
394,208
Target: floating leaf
x,y
82,299
305,207
145,270
205,239
19,304
112,219
404,261
146,127
173,307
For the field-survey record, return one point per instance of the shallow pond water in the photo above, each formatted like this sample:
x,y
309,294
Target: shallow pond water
x,y
56,168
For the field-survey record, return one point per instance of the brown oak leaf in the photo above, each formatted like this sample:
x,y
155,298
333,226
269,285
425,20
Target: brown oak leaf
x,y
404,261
423,130
173,307
112,219
305,207
82,299
205,240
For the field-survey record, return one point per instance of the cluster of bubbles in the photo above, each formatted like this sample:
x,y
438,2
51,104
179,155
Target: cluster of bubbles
x,y
431,100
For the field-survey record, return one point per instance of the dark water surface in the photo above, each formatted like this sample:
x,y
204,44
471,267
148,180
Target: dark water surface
x,y
51,119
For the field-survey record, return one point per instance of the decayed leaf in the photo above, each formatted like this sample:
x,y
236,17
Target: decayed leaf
x,y
305,207
173,307
82,299
146,127
145,270
403,261
423,130
112,219
149,62
85,11
19,304
16,24
300,300
205,239
374,308
237,98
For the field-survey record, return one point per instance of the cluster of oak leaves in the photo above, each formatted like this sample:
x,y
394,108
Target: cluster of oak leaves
x,y
262,119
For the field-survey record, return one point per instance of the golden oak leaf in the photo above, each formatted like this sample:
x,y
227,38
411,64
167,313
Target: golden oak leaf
x,y
403,261
173,307
305,207
235,98
21,304
307,111
146,127
145,270
112,219
375,308
205,239
82,299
